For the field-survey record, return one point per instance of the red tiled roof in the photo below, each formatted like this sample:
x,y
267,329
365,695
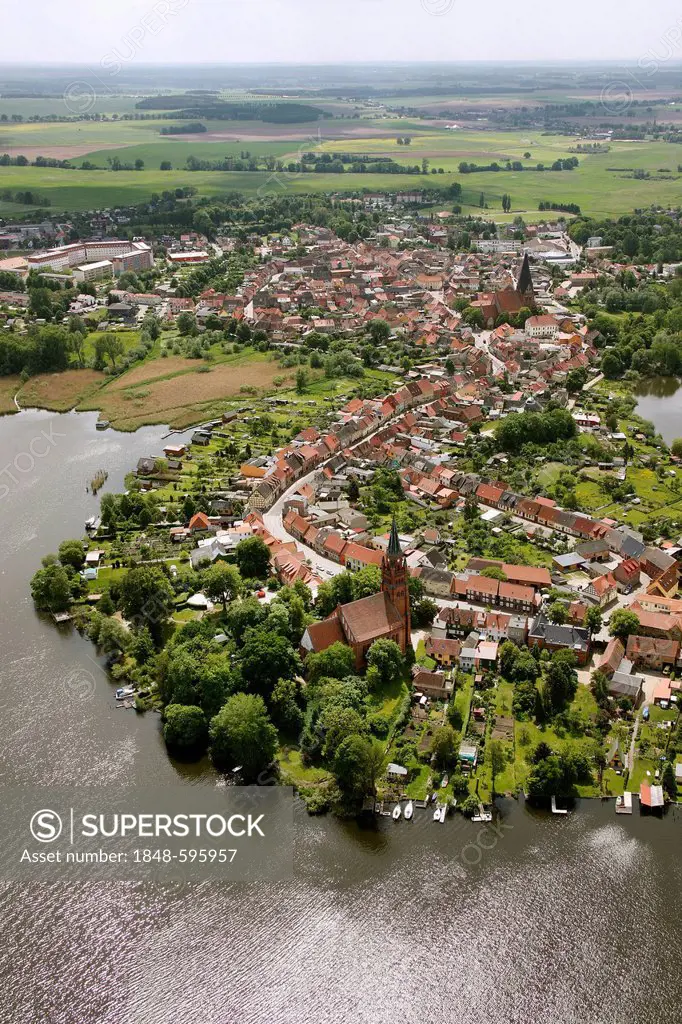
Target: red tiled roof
x,y
514,592
369,618
335,542
357,552
199,521
323,634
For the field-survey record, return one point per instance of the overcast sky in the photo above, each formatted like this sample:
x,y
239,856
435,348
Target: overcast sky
x,y
318,31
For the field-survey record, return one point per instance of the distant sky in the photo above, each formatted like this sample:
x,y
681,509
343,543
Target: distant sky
x,y
319,31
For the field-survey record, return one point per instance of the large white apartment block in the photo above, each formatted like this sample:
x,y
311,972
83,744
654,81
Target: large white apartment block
x,y
94,271
123,254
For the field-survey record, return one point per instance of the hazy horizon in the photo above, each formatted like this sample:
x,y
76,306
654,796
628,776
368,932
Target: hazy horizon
x,y
303,32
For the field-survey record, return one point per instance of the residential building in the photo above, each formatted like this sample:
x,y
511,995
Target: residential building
x,y
436,685
548,636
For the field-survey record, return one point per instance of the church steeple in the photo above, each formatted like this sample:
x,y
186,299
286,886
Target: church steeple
x,y
394,549
524,285
394,583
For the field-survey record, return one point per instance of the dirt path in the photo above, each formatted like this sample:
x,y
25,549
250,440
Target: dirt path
x,y
631,752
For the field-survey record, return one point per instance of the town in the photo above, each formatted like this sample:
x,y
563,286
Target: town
x,y
427,564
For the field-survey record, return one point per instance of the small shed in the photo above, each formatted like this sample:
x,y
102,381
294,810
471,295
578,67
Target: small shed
x,y
468,754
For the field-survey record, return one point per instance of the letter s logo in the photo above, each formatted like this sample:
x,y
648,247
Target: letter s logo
x,y
46,826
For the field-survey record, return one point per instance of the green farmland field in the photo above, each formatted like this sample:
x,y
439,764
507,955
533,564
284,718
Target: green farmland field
x,y
602,185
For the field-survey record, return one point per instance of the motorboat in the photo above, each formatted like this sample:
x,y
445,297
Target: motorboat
x,y
409,810
396,812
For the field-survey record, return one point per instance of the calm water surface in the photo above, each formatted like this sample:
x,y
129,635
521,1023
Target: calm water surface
x,y
544,921
660,400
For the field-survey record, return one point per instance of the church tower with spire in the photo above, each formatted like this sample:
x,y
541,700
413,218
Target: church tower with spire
x,y
394,583
524,283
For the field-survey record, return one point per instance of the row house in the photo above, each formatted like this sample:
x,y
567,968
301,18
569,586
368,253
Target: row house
x,y
443,651
332,546
627,575
655,562
654,654
509,596
548,636
357,556
603,589
527,575
513,597
658,625
478,655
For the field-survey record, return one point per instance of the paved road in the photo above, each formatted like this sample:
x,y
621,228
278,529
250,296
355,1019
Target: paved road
x,y
482,341
273,518
273,523
591,383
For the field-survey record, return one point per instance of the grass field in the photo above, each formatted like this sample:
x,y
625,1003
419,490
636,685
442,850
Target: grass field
x,y
8,389
602,185
60,391
180,392
46,106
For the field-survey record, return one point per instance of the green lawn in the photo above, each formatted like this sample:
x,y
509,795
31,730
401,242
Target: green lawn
x,y
639,773
527,735
505,781
417,788
386,700
423,658
294,771
612,784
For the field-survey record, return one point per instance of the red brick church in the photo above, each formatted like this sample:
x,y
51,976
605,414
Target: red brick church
x,y
508,301
385,615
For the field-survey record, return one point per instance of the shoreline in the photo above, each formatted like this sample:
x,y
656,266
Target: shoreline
x,y
299,783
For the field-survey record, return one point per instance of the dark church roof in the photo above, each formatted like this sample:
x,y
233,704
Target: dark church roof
x,y
525,281
394,540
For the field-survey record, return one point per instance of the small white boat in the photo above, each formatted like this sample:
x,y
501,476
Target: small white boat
x,y
439,813
124,691
409,809
444,782
624,804
436,814
396,812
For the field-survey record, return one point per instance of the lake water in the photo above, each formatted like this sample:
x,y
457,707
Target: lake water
x,y
539,919
660,401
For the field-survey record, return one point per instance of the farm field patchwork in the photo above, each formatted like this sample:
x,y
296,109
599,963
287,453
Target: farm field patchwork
x,y
602,185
